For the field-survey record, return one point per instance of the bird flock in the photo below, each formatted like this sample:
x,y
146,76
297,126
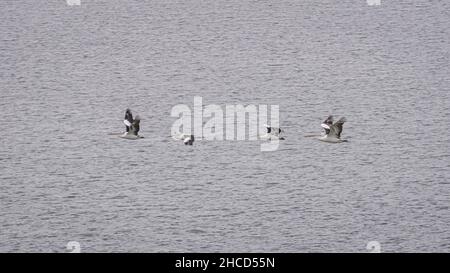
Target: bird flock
x,y
332,130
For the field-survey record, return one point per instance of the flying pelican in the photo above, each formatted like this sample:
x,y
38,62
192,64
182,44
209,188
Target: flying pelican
x,y
132,126
332,130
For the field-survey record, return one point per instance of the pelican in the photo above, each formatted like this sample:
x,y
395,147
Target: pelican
x,y
332,130
132,126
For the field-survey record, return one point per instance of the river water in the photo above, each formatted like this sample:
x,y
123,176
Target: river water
x,y
67,73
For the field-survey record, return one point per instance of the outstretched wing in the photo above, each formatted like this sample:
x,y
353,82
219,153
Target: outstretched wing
x,y
128,115
328,121
336,128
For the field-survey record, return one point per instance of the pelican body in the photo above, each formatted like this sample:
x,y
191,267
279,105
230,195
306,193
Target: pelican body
x,y
132,126
332,130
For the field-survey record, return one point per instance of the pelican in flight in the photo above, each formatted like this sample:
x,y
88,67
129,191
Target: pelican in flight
x,y
332,130
132,126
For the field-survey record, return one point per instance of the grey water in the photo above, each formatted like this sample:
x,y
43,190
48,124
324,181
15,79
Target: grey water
x,y
67,74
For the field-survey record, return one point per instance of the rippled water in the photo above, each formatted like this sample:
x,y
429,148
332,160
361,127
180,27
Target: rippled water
x,y
68,73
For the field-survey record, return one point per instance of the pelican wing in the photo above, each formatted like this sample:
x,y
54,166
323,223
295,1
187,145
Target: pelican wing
x,y
134,128
127,123
325,126
329,120
336,128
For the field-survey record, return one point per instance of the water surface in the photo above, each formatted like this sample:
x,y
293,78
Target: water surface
x,y
68,73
